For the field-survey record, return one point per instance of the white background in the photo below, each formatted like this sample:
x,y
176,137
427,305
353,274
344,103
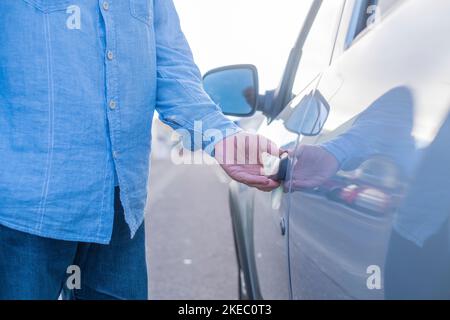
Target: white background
x,y
260,32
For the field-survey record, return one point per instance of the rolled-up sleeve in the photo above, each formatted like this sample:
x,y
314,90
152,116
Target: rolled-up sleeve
x,y
181,101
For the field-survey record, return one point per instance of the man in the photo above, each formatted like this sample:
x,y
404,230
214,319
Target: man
x,y
79,83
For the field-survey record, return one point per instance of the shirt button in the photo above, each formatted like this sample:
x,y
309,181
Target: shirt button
x,y
110,55
112,104
106,5
115,154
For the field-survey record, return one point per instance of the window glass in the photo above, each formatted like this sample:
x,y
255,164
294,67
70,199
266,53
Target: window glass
x,y
385,5
377,9
372,11
318,46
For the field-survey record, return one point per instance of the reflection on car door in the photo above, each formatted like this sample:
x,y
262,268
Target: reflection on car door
x,y
383,117
340,230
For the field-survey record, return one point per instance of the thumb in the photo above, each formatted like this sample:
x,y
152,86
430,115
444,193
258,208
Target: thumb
x,y
267,147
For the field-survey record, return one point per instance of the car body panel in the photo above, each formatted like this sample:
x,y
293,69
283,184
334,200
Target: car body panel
x,y
334,244
337,233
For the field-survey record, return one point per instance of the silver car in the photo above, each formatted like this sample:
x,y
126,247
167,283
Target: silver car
x,y
374,74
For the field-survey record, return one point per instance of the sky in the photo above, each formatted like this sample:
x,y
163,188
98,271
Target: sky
x,y
259,32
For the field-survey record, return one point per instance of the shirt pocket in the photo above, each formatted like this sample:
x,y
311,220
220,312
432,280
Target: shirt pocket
x,y
142,10
47,6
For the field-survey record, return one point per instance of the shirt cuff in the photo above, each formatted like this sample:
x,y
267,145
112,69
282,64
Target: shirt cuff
x,y
209,131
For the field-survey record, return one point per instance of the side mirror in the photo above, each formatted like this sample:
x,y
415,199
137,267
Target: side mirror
x,y
234,89
309,114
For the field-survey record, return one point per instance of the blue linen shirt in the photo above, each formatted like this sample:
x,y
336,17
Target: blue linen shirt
x,y
79,83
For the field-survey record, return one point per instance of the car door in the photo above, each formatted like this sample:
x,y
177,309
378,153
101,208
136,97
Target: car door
x,y
270,221
340,231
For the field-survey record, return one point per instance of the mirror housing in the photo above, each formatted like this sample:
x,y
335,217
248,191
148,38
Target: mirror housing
x,y
309,114
235,89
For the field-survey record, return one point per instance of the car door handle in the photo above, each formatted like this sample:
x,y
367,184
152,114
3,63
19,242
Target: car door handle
x,y
283,226
281,173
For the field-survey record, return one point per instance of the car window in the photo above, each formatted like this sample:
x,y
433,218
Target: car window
x,y
371,12
318,46
385,5
377,9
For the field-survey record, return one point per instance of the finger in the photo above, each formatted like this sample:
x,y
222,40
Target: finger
x,y
270,187
252,179
260,182
220,151
253,170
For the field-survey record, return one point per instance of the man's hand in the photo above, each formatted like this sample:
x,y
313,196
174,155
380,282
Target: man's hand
x,y
313,166
241,156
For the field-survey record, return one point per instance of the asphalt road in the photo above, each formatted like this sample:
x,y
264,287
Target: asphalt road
x,y
190,251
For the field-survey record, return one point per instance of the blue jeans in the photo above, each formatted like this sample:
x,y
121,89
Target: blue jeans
x,y
32,267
